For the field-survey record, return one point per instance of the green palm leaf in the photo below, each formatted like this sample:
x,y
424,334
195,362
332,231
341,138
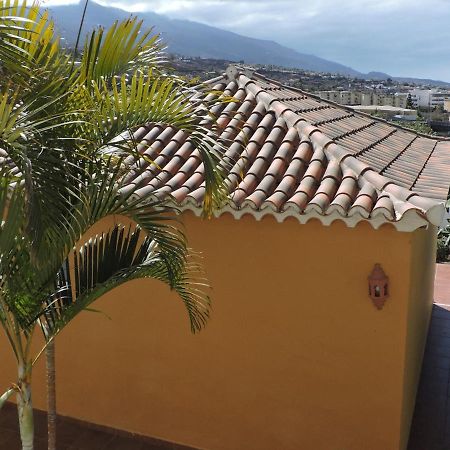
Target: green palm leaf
x,y
13,28
111,259
123,46
66,130
11,223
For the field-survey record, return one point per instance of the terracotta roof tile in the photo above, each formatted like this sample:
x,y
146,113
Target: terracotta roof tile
x,y
296,170
385,207
293,154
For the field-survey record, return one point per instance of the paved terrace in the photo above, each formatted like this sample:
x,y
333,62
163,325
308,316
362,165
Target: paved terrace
x,y
430,428
76,435
431,422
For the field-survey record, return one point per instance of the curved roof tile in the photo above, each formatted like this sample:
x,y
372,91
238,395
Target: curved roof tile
x,y
297,155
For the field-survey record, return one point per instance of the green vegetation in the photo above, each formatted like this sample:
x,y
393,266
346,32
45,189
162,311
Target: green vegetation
x,y
443,245
65,136
418,126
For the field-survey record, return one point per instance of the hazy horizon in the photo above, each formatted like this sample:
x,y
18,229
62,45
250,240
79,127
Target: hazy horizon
x,y
400,37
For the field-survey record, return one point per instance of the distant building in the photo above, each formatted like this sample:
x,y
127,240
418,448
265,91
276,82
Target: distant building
x,y
346,98
332,96
428,98
388,111
447,104
355,98
350,98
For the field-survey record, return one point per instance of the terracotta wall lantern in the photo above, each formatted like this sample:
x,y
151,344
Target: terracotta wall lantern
x,y
378,286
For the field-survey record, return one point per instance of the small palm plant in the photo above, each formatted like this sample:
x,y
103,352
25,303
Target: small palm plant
x,y
66,129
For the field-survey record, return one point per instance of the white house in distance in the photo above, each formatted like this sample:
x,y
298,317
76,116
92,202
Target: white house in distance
x,y
428,98
388,112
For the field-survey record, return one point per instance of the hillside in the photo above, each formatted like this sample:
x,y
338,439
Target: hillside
x,y
194,39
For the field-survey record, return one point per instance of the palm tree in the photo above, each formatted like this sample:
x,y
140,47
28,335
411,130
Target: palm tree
x,y
65,135
50,351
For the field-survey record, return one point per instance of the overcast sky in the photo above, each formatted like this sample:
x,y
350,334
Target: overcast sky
x,y
399,37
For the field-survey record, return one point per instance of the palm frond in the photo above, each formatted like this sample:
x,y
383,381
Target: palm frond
x,y
97,197
24,136
115,51
11,223
13,28
36,62
17,278
57,127
133,101
145,98
111,259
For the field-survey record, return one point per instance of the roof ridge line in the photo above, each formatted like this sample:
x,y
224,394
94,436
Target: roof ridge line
x,y
338,105
233,71
320,139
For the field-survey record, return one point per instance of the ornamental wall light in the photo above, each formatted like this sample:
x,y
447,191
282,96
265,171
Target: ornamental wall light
x,y
378,286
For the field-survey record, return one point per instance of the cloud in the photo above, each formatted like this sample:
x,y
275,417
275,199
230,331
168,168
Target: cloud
x,y
401,37
58,2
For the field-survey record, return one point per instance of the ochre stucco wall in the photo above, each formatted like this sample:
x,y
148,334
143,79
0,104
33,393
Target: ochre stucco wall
x,y
419,313
295,355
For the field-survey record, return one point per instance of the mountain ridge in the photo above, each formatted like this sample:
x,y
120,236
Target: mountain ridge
x,y
194,39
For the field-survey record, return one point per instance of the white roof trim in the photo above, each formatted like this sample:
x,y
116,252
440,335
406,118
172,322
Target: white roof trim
x,y
409,222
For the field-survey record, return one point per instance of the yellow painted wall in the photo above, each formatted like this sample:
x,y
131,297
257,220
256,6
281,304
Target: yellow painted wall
x,y
419,312
294,357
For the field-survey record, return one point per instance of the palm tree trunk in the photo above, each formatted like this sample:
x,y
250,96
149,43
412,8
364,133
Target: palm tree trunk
x,y
25,407
51,395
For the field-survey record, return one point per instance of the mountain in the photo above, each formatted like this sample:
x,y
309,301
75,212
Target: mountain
x,y
378,76
425,81
194,39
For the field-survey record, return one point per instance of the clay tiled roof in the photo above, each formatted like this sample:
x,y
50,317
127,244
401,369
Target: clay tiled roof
x,y
297,155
